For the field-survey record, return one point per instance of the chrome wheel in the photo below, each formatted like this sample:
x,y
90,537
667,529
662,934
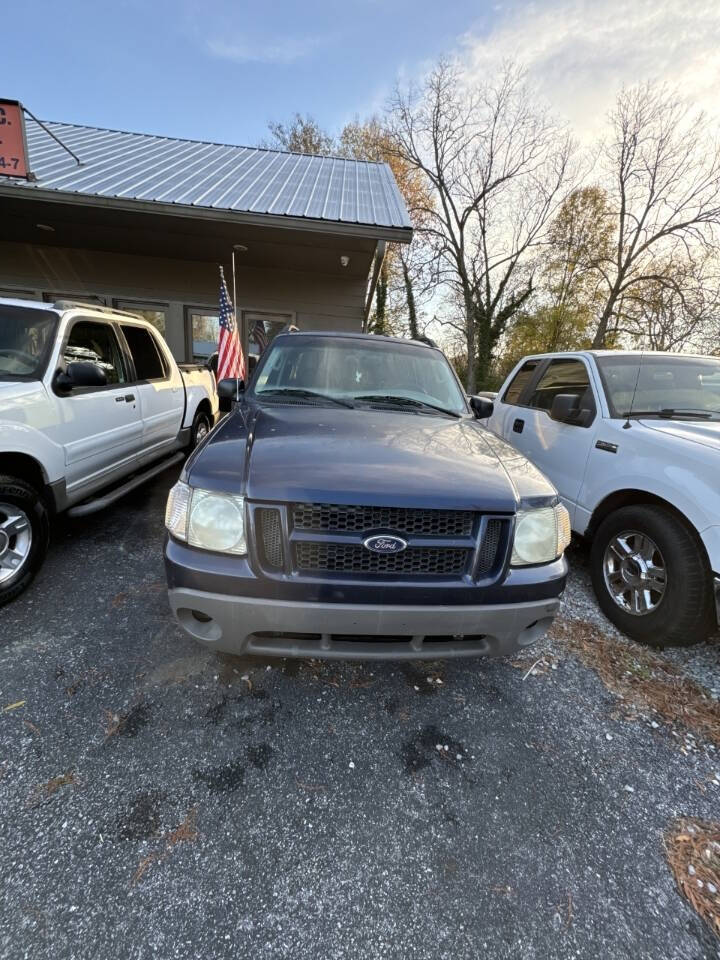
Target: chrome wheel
x,y
201,431
635,573
15,540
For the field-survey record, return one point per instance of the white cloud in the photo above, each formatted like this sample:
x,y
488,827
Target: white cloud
x,y
282,50
580,53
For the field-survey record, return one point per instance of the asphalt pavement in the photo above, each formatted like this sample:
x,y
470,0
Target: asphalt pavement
x,y
158,800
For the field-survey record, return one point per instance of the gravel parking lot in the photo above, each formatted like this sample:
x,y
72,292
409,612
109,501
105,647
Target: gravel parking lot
x,y
158,800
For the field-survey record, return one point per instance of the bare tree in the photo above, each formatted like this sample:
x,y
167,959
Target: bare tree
x,y
681,310
496,162
663,180
401,283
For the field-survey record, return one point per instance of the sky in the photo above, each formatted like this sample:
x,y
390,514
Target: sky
x,y
220,70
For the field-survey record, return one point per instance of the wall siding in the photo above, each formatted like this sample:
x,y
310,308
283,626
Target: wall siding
x,y
318,301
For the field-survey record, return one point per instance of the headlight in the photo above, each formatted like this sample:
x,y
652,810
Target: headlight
x,y
211,521
541,535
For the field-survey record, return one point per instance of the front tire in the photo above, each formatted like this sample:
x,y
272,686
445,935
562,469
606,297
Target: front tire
x,y
24,536
651,577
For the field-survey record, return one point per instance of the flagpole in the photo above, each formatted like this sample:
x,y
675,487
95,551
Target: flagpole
x,y
235,300
239,317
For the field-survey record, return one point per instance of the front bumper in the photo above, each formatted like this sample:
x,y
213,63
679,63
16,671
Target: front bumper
x,y
272,627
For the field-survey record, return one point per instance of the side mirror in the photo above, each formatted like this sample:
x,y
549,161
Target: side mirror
x,y
212,363
80,373
481,407
228,390
566,409
231,388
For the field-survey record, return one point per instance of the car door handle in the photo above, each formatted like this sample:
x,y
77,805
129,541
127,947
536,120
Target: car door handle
x,y
119,399
518,425
130,397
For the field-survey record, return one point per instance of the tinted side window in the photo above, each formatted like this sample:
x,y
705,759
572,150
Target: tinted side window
x,y
147,360
97,343
562,376
520,381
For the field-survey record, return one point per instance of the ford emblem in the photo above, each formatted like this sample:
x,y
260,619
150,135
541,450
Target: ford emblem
x,y
385,543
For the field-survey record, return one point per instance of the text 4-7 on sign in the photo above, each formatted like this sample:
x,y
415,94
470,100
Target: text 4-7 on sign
x,y
13,149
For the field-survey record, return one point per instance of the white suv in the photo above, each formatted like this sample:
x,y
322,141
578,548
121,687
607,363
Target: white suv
x,y
92,404
632,442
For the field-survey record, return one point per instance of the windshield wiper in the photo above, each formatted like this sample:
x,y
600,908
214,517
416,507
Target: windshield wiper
x,y
299,392
407,401
668,413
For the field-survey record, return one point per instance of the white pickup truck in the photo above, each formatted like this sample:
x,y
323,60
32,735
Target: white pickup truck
x,y
92,404
632,443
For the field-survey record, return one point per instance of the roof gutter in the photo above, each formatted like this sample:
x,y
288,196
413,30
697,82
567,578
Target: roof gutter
x,y
380,251
399,234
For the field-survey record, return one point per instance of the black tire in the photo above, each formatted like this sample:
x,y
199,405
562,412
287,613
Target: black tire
x,y
23,495
684,613
200,428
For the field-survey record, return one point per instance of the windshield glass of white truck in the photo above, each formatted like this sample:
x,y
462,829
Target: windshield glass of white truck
x,y
26,337
662,386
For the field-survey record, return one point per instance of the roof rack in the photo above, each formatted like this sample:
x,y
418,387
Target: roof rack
x,y
101,307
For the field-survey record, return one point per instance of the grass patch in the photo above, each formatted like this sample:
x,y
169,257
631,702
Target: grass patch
x,y
643,678
692,848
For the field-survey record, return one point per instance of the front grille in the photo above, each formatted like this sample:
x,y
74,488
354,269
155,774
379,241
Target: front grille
x,y
489,546
271,544
333,517
354,558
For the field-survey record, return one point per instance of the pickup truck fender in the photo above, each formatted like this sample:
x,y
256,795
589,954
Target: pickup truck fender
x,y
678,486
25,441
24,412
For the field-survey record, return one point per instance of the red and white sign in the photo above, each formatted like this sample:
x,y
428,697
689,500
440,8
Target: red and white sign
x,y
13,147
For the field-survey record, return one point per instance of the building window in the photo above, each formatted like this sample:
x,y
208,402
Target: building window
x,y
203,329
154,313
18,294
263,328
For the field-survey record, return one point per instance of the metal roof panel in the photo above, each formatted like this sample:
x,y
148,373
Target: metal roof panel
x,y
136,166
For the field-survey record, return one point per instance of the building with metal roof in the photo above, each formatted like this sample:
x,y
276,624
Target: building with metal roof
x,y
142,222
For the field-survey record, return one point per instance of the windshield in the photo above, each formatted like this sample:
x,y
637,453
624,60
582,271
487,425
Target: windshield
x,y
666,385
26,338
360,371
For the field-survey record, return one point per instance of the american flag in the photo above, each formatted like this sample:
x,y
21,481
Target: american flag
x,y
231,362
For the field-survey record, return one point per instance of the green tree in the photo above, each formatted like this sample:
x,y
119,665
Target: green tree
x,y
300,134
396,303
568,294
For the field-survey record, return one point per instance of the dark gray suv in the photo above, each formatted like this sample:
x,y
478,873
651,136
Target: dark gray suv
x,y
352,506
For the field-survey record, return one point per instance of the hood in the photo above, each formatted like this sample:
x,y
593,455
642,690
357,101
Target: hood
x,y
18,398
313,454
697,431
